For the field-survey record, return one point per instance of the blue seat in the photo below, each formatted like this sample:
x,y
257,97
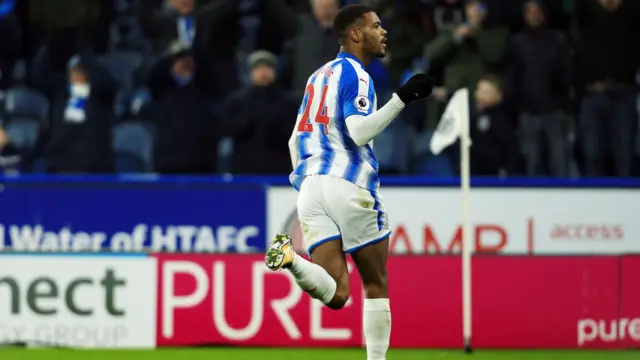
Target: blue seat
x,y
139,99
425,162
23,132
39,167
122,103
128,163
225,154
25,103
126,34
133,139
392,148
130,103
433,165
122,65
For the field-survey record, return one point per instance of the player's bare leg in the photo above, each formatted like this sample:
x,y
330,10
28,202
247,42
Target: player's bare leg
x,y
325,279
371,262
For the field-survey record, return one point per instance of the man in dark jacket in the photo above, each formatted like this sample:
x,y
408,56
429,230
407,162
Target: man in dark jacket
x,y
261,119
187,134
81,121
538,79
608,52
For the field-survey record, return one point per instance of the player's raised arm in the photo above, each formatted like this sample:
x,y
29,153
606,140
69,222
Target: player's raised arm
x,y
364,125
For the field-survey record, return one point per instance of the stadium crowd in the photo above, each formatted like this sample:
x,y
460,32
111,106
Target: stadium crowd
x,y
213,86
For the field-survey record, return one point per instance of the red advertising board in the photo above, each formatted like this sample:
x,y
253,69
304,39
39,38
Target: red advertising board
x,y
518,302
235,299
627,327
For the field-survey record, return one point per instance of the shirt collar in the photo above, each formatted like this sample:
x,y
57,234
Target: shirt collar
x,y
344,55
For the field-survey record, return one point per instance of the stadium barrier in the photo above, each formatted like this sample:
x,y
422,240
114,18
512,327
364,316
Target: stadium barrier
x,y
241,214
173,300
133,278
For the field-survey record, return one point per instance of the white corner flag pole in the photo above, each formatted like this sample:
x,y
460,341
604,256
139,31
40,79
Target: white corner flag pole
x,y
454,125
465,185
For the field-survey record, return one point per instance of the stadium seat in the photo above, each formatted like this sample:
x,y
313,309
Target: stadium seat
x,y
128,163
123,6
133,139
142,73
19,74
434,165
122,104
39,167
392,148
125,34
130,104
25,103
421,143
225,154
424,162
23,132
139,99
122,65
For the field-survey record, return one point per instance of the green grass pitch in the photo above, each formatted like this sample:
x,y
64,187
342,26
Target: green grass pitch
x,y
304,354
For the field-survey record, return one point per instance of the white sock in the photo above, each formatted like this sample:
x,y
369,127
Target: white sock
x,y
313,279
377,327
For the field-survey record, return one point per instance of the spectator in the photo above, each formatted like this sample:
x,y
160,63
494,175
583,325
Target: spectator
x,y
403,20
215,46
82,116
187,134
261,118
231,29
67,27
448,13
60,29
172,28
266,24
465,52
608,31
538,79
494,151
315,44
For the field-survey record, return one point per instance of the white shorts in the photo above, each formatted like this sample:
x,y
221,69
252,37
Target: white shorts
x,y
331,208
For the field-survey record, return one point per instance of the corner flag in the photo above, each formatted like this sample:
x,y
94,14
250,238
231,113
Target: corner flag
x,y
454,122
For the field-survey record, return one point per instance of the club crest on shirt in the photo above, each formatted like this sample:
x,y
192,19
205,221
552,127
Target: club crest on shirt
x,y
362,103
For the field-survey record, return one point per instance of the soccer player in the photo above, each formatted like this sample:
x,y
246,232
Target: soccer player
x,y
335,171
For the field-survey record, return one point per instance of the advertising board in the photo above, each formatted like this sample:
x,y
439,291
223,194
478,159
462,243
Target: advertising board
x,y
138,217
78,301
503,220
518,302
225,299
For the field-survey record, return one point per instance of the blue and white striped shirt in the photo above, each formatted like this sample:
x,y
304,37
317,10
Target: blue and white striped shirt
x,y
321,144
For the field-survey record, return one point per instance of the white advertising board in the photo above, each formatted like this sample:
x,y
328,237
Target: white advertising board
x,y
78,301
503,220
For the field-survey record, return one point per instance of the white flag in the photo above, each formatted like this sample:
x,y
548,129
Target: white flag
x,y
454,122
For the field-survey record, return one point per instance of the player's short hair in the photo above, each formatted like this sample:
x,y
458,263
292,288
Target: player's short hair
x,y
346,17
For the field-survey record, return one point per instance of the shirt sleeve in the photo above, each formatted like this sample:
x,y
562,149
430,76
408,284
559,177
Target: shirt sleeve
x,y
358,94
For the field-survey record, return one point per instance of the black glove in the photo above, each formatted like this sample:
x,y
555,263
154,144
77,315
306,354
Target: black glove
x,y
418,87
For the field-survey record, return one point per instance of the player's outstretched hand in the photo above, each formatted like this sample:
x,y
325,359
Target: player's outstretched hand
x,y
419,86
